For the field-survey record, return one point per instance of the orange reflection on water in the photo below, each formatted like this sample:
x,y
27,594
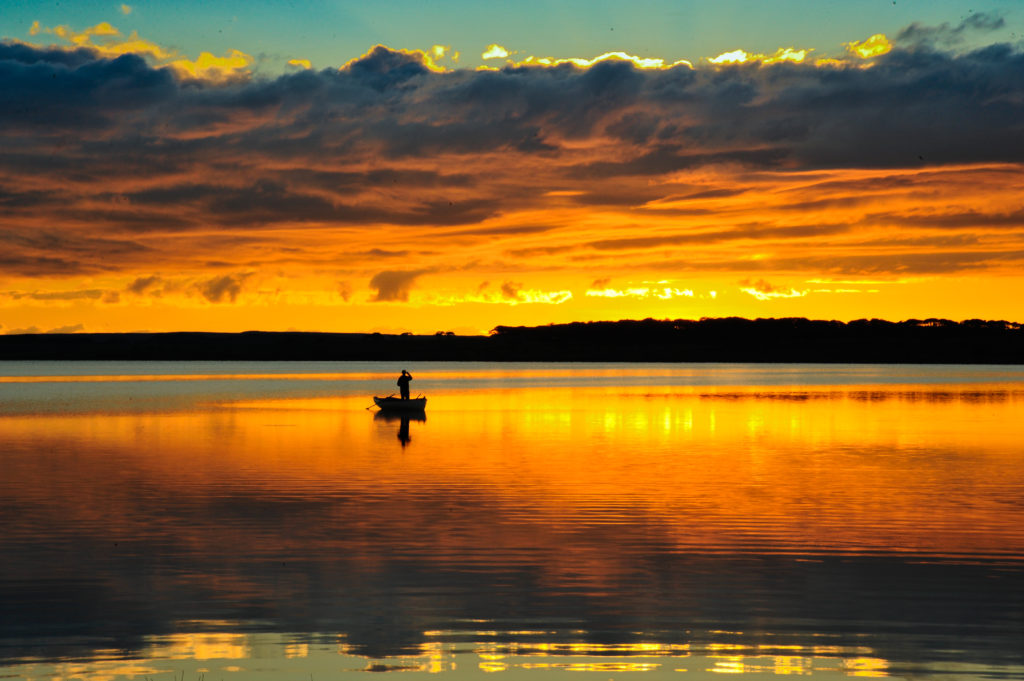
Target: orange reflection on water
x,y
633,499
935,473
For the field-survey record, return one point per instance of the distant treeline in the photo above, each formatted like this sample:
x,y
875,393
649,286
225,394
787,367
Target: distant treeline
x,y
729,339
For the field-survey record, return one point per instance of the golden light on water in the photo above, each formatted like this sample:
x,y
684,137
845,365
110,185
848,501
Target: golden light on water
x,y
212,653
719,470
645,490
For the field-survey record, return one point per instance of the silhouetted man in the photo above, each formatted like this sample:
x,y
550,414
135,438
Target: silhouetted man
x,y
403,384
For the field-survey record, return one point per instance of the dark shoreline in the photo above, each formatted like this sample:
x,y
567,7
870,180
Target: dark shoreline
x,y
931,341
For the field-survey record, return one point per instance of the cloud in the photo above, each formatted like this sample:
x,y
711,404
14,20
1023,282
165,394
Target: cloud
x,y
956,219
920,35
762,290
107,41
392,166
781,55
150,285
345,290
495,51
701,236
514,293
508,293
441,52
794,114
72,328
394,286
607,57
222,289
511,290
232,67
647,291
874,46
58,296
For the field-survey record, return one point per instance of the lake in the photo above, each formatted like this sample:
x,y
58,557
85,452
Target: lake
x,y
250,521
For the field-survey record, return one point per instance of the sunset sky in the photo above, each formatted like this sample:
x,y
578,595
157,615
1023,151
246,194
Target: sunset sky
x,y
452,166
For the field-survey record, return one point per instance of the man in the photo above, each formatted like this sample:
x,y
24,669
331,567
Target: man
x,y
403,384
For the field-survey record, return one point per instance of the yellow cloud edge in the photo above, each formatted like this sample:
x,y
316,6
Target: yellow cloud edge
x,y
108,41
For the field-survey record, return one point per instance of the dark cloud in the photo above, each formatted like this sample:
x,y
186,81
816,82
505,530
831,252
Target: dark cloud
x,y
98,156
27,265
389,102
383,69
722,193
502,230
269,202
145,285
89,294
224,288
539,251
971,219
511,290
394,285
29,55
754,231
383,253
71,328
918,262
920,35
11,201
348,182
345,290
44,91
48,240
670,158
625,196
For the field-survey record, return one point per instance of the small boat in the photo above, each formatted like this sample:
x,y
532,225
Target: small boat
x,y
396,404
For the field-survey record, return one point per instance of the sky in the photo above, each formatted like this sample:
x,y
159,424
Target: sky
x,y
453,166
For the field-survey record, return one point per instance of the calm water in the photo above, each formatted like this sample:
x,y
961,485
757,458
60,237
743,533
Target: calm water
x,y
256,521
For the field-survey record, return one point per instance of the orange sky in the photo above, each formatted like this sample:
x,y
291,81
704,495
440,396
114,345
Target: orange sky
x,y
140,190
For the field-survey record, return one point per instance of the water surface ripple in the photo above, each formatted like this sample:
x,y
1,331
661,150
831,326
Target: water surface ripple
x,y
250,521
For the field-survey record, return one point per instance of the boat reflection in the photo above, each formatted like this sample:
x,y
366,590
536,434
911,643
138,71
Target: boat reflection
x,y
402,418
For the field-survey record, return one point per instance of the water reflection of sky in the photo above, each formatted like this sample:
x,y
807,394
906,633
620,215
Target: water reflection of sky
x,y
610,521
462,654
75,387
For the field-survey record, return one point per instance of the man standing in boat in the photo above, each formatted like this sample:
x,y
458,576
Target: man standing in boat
x,y
403,384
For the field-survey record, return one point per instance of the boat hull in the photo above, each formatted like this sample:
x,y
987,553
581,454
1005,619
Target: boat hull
x,y
395,404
